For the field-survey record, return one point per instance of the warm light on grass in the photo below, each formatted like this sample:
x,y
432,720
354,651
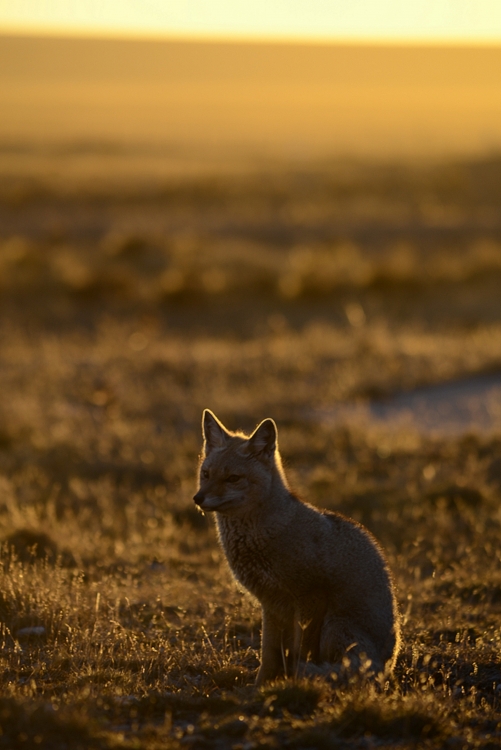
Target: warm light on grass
x,y
128,305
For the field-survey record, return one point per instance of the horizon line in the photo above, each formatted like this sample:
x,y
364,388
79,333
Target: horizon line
x,y
59,32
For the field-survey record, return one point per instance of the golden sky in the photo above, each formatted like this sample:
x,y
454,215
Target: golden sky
x,y
474,21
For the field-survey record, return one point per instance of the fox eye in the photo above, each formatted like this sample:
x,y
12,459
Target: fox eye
x,y
205,473
232,478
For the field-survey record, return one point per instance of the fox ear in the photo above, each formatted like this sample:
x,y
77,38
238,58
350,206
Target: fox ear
x,y
214,432
264,439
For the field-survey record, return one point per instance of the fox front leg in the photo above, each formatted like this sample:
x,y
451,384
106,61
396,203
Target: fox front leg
x,y
277,643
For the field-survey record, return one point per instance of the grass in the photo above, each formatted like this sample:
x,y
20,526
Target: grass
x,y
120,625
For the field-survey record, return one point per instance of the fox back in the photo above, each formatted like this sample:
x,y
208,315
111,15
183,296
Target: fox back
x,y
322,581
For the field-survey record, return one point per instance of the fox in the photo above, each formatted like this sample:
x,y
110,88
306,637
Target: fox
x,y
323,583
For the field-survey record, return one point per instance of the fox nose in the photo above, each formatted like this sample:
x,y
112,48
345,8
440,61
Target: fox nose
x,y
199,498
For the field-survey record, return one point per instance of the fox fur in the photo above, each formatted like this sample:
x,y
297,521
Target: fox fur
x,y
324,586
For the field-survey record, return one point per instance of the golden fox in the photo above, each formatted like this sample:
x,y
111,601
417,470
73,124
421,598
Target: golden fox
x,y
324,586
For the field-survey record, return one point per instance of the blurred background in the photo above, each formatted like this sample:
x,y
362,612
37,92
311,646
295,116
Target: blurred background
x,y
293,212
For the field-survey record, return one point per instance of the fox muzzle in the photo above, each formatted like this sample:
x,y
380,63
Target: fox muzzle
x,y
199,498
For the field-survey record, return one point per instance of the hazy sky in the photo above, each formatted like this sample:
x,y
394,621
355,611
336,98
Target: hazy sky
x,y
425,20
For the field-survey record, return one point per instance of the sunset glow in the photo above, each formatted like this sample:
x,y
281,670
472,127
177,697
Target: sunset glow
x,y
371,20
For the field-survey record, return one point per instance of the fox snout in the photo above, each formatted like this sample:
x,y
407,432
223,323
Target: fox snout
x,y
199,498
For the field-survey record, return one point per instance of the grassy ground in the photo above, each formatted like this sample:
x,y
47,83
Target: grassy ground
x,y
128,308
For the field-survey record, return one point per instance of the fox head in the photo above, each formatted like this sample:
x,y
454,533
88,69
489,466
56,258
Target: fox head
x,y
236,471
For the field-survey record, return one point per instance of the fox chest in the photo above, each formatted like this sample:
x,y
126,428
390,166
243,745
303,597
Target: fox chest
x,y
258,562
